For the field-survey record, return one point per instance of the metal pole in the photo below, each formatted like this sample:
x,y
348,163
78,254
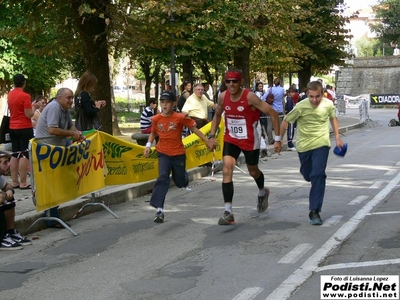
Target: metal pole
x,y
173,83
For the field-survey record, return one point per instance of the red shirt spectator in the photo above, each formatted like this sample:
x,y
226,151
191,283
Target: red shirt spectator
x,y
18,101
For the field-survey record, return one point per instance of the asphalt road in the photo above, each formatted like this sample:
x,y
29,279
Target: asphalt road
x,y
275,255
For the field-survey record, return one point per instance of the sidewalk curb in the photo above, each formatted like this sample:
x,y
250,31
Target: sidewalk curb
x,y
112,196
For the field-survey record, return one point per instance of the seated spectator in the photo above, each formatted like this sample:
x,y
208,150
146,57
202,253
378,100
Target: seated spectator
x,y
10,238
196,106
147,115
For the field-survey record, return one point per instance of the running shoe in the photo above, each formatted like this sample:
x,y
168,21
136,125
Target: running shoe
x,y
159,218
16,237
262,202
315,219
8,244
227,219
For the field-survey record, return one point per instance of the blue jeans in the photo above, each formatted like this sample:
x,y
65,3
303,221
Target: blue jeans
x,y
166,164
313,165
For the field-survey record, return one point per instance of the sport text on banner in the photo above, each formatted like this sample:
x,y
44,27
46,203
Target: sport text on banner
x,y
62,174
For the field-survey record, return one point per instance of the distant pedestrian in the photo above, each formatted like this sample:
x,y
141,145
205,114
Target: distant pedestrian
x,y
242,110
168,125
291,126
259,91
278,105
313,142
398,112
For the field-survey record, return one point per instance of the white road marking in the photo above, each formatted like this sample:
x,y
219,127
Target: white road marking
x,y
358,200
298,277
359,264
332,221
377,184
384,213
390,172
295,254
248,294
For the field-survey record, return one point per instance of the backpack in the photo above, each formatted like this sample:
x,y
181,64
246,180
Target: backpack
x,y
393,122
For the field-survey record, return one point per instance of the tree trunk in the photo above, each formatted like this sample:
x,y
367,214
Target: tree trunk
x,y
304,75
207,74
93,33
270,77
149,76
241,60
187,70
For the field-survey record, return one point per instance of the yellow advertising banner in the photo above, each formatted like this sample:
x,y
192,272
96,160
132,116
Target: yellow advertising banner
x,y
126,163
62,174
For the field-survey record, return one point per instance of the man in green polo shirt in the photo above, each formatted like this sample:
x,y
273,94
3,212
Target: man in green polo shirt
x,y
313,143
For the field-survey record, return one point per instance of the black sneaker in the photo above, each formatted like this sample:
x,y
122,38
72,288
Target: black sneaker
x,y
16,237
159,218
227,219
8,244
315,219
262,202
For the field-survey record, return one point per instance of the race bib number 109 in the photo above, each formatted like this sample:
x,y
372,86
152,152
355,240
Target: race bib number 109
x,y
237,128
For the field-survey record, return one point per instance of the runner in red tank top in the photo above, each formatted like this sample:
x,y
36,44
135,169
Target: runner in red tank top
x,y
242,112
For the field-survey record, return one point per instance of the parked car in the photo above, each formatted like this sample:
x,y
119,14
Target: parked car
x,y
120,91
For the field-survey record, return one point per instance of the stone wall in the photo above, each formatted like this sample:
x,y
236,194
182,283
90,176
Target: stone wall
x,y
372,75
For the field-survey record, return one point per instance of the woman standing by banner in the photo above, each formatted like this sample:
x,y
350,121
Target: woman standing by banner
x,y
86,108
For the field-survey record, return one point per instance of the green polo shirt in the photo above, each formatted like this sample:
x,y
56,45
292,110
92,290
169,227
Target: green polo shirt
x,y
312,124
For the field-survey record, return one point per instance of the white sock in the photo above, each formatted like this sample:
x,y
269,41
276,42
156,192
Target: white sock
x,y
159,209
261,193
228,207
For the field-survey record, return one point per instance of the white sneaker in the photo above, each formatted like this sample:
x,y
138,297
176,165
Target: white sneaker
x,y
291,149
8,244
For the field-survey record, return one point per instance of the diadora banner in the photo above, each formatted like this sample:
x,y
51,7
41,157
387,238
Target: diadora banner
x,y
385,99
61,174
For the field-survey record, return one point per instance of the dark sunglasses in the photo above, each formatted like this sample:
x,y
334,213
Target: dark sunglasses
x,y
231,80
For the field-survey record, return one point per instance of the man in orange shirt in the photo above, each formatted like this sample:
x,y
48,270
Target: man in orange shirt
x,y
21,131
168,125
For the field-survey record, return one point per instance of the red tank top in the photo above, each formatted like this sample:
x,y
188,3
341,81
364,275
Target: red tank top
x,y
241,122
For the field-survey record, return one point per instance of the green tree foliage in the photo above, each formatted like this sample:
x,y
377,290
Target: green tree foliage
x,y
388,29
275,36
369,47
19,46
58,37
323,38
